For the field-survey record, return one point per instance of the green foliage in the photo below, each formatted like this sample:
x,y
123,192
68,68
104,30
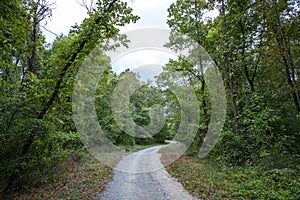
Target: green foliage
x,y
79,177
253,45
139,108
256,134
36,83
210,180
274,184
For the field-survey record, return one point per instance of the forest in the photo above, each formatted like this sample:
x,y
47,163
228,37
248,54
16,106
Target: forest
x,y
253,44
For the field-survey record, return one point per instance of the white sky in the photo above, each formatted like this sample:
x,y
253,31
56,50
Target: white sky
x,y
152,13
66,13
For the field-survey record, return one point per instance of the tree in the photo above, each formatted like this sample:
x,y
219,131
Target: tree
x,y
28,130
186,18
254,45
281,22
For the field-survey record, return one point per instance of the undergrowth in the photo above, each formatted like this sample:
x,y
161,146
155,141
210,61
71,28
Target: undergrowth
x,y
81,177
208,180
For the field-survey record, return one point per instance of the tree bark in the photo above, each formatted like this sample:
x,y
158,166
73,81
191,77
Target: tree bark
x,y
287,59
249,80
228,57
58,84
201,79
54,95
32,61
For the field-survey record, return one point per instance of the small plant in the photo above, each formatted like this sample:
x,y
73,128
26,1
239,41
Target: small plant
x,y
210,180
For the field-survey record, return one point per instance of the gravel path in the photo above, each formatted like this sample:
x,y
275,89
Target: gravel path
x,y
141,176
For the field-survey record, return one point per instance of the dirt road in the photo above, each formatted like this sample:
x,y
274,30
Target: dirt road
x,y
141,176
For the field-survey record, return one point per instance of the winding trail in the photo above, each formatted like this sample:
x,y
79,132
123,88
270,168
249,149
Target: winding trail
x,y
141,176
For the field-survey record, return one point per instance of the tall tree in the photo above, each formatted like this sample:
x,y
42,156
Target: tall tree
x,y
186,18
282,20
39,10
58,72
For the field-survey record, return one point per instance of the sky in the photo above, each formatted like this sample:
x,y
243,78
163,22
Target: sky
x,y
152,13
66,13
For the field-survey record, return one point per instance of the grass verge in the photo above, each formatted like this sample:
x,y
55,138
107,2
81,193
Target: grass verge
x,y
207,180
80,177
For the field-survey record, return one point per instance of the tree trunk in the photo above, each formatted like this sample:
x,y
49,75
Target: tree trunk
x,y
202,80
229,74
54,95
32,61
287,59
58,84
249,80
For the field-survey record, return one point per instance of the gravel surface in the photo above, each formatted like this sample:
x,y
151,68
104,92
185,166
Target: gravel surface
x,y
141,176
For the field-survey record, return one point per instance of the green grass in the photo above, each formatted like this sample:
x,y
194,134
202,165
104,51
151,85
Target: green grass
x,y
207,180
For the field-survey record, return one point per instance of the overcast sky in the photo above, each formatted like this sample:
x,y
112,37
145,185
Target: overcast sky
x,y
66,13
153,14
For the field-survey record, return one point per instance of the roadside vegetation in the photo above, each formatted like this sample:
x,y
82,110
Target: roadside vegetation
x,y
81,176
253,45
213,180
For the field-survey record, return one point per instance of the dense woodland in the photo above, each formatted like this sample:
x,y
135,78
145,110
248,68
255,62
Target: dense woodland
x,y
254,44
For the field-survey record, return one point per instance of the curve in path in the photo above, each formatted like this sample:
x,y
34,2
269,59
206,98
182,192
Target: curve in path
x,y
141,176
